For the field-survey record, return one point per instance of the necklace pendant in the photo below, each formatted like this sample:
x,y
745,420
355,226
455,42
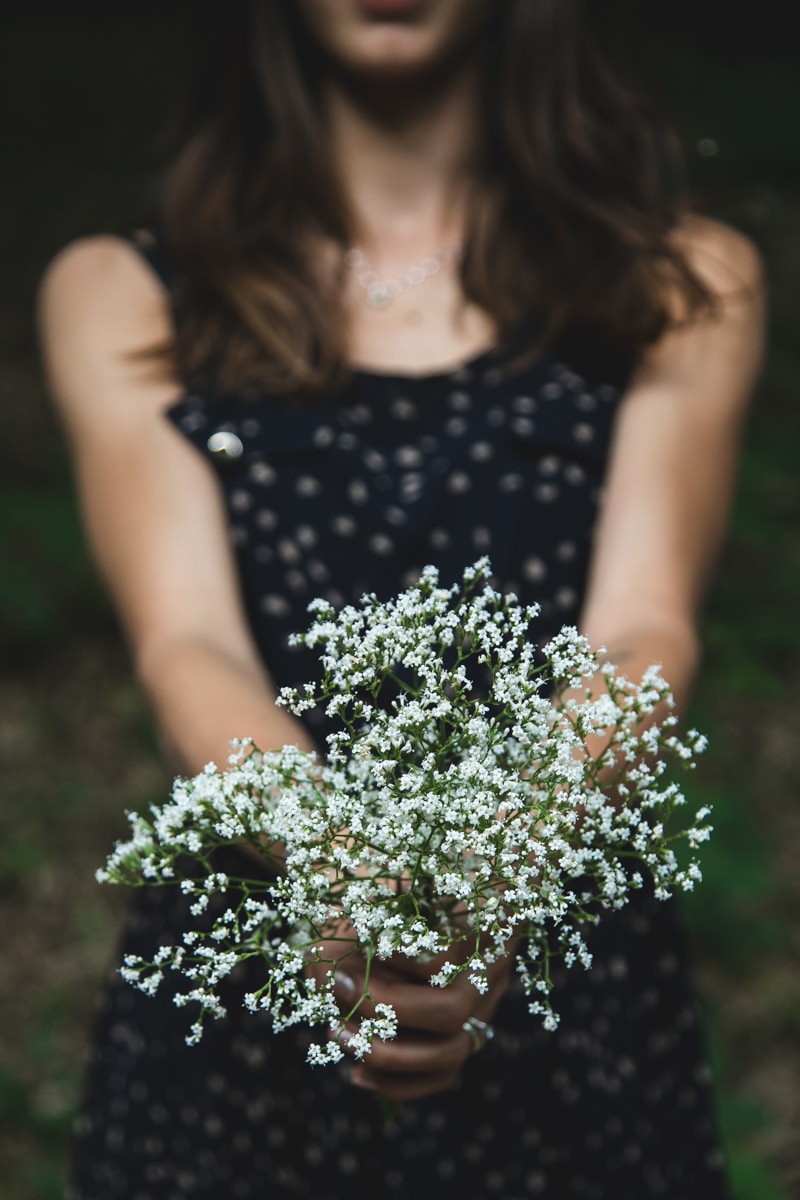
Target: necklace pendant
x,y
378,295
381,292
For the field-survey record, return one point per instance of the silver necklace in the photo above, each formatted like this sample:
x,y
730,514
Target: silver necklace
x,y
381,292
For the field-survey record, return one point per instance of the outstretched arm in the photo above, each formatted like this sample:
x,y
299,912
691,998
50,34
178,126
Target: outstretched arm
x,y
152,507
672,470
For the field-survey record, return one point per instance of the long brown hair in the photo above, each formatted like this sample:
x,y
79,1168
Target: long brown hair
x,y
580,189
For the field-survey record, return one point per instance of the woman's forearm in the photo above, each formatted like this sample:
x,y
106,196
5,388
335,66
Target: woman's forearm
x,y
202,697
673,646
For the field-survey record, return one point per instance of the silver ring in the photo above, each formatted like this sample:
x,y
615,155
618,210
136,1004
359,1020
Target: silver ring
x,y
480,1032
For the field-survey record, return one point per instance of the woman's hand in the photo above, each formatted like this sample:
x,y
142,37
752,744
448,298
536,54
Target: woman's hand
x,y
432,1045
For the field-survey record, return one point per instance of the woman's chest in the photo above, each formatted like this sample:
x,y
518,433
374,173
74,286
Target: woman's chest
x,y
338,499
425,328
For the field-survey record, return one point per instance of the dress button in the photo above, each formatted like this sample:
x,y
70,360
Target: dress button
x,y
225,445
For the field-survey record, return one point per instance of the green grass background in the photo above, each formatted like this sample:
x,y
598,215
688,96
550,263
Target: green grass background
x,y
88,87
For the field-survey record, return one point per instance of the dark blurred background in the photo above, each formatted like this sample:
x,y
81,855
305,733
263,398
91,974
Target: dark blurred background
x,y
89,91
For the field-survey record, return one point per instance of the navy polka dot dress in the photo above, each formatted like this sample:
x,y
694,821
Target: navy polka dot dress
x,y
335,498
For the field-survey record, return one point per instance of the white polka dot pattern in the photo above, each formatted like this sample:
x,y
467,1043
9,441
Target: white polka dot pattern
x,y
406,470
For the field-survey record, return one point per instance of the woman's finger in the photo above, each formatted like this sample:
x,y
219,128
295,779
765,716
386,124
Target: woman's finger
x,y
413,1053
419,1005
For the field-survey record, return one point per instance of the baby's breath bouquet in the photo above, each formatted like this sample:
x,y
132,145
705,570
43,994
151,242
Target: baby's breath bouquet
x,y
456,811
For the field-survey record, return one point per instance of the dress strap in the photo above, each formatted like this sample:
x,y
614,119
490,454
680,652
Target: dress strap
x,y
146,243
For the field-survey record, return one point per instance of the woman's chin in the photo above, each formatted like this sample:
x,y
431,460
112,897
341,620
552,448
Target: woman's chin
x,y
393,37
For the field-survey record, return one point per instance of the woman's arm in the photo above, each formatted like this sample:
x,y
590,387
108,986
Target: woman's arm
x,y
157,529
152,507
672,468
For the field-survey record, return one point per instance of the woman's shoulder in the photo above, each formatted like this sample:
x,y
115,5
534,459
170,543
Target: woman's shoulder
x,y
100,310
101,270
727,261
710,360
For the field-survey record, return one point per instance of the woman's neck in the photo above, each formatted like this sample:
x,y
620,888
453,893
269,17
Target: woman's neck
x,y
406,154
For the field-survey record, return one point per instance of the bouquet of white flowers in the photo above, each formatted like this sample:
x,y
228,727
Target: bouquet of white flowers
x,y
457,809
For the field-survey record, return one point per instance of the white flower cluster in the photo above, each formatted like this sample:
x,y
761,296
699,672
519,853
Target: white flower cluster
x,y
458,807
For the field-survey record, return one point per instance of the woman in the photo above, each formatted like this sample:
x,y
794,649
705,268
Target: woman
x,y
423,283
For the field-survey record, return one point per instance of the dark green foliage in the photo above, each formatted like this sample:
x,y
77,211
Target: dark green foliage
x,y
48,587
